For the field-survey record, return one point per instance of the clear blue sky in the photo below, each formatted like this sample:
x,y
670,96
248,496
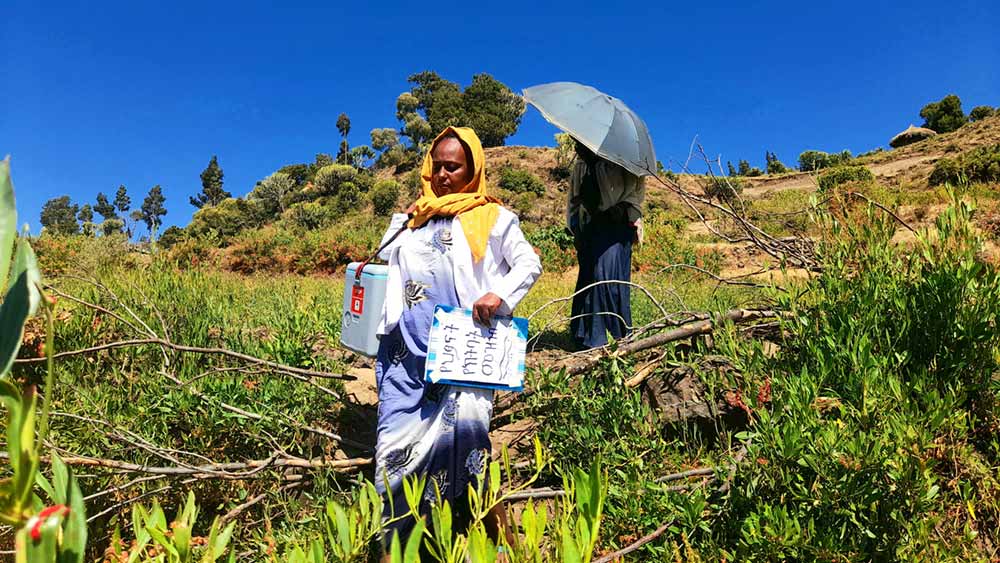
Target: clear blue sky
x,y
98,94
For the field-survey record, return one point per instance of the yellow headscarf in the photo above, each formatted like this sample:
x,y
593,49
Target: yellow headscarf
x,y
476,211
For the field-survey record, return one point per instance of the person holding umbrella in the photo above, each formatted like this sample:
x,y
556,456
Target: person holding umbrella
x,y
604,212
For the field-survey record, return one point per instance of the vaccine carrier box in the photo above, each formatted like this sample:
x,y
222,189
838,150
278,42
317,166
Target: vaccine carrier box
x,y
363,299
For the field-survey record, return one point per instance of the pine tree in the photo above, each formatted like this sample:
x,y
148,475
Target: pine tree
x,y
59,216
86,214
152,210
104,207
122,200
212,192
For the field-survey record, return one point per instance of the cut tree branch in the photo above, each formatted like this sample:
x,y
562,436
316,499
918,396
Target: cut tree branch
x,y
190,349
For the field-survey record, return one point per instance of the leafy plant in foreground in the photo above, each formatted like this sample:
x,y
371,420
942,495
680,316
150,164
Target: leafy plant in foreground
x,y
57,532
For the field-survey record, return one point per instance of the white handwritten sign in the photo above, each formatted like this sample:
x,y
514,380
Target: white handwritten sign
x,y
461,352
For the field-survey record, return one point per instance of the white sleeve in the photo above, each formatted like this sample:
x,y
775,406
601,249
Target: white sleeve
x,y
525,267
395,224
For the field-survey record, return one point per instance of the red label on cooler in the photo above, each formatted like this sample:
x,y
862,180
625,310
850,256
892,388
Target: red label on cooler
x,y
357,299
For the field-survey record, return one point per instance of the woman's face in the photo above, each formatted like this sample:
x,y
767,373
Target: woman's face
x,y
451,169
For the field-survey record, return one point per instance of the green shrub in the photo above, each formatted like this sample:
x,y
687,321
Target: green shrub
x,y
744,169
565,154
171,236
228,218
554,244
192,253
979,113
946,171
844,174
365,181
329,178
978,165
272,192
724,188
310,215
774,166
347,199
520,181
983,164
945,115
810,161
414,184
112,226
384,196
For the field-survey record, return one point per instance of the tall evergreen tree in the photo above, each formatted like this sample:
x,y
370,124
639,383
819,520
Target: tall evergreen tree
x,y
86,217
86,214
344,126
487,105
492,109
122,201
343,153
59,216
104,207
211,193
153,210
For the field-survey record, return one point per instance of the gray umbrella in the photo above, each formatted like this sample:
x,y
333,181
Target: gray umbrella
x,y
603,124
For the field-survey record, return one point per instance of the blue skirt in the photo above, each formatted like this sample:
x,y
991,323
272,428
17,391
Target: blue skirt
x,y
440,432
604,250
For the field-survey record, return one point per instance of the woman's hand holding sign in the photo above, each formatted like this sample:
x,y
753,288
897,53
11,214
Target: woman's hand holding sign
x,y
485,307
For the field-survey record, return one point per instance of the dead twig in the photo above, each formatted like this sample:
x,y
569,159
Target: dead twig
x,y
240,509
212,470
193,350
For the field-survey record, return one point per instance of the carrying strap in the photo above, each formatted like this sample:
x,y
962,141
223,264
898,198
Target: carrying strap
x,y
361,267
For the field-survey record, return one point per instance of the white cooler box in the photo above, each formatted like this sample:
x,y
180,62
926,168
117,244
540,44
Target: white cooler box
x,y
363,301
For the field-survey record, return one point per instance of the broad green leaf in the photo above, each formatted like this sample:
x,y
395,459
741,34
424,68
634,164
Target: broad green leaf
x,y
116,541
157,519
27,464
45,485
44,550
412,554
74,536
343,528
190,512
60,479
14,311
494,479
221,542
182,540
395,551
8,220
570,551
20,303
12,397
315,550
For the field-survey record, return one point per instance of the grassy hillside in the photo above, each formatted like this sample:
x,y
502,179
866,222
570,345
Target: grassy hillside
x,y
843,411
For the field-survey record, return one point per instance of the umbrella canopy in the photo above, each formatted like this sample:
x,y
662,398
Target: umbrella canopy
x,y
602,123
